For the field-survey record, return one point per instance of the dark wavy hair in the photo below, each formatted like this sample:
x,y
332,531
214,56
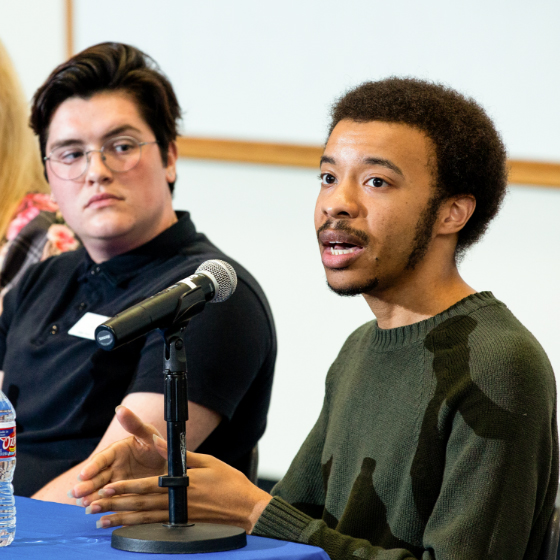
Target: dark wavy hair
x,y
111,67
471,158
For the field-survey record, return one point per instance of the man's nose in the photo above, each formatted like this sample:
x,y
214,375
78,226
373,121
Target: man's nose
x,y
97,171
342,201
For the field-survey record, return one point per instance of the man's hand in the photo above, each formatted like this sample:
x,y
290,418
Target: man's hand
x,y
130,458
217,493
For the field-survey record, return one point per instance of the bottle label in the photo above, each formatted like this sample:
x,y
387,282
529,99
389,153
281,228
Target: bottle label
x,y
7,440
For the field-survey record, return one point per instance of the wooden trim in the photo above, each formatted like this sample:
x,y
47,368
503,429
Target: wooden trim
x,y
249,152
69,12
534,173
520,172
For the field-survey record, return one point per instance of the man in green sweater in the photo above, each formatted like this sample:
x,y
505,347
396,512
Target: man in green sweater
x,y
437,438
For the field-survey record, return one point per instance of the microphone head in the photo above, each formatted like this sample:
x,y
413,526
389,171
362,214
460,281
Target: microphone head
x,y
223,276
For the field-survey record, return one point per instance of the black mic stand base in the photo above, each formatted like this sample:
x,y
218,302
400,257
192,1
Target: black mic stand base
x,y
165,539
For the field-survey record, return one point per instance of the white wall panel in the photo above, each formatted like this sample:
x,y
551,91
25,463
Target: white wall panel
x,y
33,32
263,217
270,70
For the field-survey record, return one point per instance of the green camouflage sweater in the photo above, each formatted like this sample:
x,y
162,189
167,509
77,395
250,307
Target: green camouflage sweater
x,y
436,440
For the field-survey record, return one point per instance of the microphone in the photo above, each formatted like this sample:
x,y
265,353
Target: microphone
x,y
214,281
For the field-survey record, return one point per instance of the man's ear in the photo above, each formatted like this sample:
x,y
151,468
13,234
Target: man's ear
x,y
455,212
172,155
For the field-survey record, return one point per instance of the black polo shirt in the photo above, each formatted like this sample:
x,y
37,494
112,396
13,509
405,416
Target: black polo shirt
x,y
65,389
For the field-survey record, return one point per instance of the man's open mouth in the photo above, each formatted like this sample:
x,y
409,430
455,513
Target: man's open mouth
x,y
337,248
340,246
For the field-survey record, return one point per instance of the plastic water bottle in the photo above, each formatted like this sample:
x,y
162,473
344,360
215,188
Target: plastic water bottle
x,y
7,468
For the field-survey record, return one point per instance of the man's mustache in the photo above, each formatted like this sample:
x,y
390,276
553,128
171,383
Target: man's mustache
x,y
341,225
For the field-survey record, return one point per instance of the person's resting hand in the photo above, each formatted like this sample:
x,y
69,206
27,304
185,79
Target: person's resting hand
x,y
130,458
217,493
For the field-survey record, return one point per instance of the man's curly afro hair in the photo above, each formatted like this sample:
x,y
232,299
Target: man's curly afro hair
x,y
471,158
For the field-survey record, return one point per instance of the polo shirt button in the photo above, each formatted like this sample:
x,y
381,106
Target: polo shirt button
x,y
54,329
82,306
92,272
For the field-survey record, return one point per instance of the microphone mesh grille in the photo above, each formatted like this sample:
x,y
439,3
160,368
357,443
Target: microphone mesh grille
x,y
224,275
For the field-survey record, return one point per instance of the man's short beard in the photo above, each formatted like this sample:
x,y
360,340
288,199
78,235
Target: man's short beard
x,y
424,230
349,291
420,244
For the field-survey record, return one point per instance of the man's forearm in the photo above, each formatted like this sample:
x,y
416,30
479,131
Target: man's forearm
x,y
152,405
57,489
280,520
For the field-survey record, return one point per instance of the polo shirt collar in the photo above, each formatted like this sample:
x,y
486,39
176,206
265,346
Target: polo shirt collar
x,y
123,267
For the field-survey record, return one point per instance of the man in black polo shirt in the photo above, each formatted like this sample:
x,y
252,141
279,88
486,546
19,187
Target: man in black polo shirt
x,y
106,121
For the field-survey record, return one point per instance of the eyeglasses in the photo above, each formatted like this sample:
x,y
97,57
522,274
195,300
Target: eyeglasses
x,y
119,154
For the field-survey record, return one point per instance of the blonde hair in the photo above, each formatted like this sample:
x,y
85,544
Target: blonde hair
x,y
21,170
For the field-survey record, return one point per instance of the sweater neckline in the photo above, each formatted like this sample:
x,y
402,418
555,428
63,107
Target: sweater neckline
x,y
391,339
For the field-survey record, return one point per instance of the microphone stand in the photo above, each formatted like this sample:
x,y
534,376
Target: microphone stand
x,y
178,536
176,414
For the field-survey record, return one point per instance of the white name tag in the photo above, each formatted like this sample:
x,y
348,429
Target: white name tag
x,y
85,327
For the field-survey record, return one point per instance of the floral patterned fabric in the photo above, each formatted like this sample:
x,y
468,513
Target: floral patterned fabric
x,y
37,232
29,208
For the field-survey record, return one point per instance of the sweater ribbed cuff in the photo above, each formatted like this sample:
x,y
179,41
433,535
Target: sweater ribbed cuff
x,y
280,520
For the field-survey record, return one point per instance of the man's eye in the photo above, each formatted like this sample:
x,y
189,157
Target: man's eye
x,y
327,178
69,156
376,182
122,147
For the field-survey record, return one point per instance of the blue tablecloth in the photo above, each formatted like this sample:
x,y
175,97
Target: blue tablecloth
x,y
45,531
